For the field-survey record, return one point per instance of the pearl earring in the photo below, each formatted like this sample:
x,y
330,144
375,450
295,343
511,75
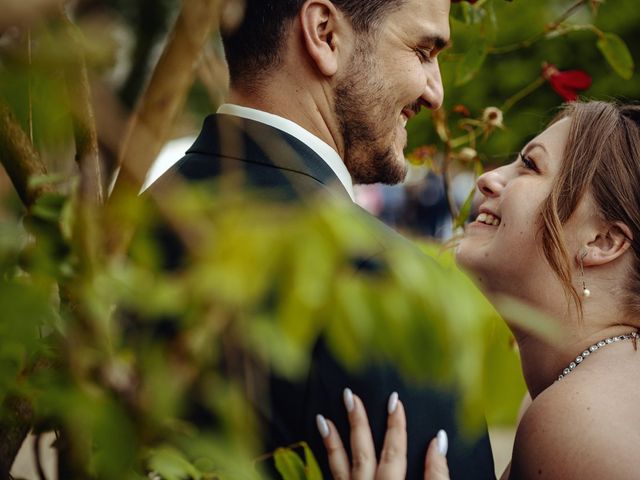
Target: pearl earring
x,y
585,291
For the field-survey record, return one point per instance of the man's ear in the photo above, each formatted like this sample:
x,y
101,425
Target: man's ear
x,y
319,22
608,245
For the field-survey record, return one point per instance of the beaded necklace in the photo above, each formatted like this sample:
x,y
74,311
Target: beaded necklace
x,y
595,347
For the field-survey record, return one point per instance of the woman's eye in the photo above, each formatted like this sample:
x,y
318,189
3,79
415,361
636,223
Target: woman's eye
x,y
528,163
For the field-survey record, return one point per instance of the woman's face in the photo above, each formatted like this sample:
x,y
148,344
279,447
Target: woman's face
x,y
501,247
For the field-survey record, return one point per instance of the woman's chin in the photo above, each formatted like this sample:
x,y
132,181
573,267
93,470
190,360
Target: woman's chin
x,y
466,258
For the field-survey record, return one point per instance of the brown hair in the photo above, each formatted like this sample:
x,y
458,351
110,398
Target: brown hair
x,y
254,48
602,158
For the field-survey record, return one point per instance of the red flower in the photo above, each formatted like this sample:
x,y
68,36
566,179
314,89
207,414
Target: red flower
x,y
461,110
568,83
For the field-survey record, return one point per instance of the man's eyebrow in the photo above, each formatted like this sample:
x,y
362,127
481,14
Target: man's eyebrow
x,y
436,41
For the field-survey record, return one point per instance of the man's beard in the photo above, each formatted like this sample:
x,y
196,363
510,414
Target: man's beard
x,y
368,148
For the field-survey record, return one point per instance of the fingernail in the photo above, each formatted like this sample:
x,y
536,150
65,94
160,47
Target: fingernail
x,y
347,396
442,443
323,426
393,403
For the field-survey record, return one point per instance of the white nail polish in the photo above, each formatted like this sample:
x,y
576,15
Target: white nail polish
x,y
347,396
442,443
323,426
393,403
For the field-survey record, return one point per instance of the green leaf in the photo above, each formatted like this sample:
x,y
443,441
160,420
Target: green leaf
x,y
616,52
311,468
49,207
289,464
465,210
170,464
471,63
47,179
527,317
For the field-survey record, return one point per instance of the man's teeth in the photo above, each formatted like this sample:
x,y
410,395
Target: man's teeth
x,y
488,219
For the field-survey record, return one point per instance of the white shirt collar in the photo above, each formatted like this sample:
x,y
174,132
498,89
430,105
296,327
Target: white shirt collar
x,y
324,151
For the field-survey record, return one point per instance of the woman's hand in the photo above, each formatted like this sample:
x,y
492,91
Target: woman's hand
x,y
393,459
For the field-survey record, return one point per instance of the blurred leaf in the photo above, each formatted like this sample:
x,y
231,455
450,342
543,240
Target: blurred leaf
x,y
49,179
170,464
617,53
470,64
527,317
311,467
465,210
289,465
49,207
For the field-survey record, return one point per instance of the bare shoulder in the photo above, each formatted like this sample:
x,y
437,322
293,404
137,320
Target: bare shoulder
x,y
580,428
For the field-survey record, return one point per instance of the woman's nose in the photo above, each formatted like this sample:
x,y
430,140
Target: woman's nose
x,y
491,183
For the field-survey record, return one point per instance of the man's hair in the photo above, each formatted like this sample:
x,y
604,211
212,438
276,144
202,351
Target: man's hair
x,y
255,46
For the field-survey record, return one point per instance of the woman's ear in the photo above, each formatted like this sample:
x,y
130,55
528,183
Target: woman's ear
x,y
607,246
320,21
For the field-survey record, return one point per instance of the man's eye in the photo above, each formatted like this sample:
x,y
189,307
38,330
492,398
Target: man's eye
x,y
528,163
423,55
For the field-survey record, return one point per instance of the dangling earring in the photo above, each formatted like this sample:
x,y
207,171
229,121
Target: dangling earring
x,y
585,291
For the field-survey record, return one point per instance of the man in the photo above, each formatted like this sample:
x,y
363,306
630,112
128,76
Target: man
x,y
320,93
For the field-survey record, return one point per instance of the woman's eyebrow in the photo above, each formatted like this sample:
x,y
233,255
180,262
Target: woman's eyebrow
x,y
534,145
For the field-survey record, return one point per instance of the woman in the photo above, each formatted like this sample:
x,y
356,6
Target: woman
x,y
559,229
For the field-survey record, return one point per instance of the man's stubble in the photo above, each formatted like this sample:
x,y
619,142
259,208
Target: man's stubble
x,y
366,113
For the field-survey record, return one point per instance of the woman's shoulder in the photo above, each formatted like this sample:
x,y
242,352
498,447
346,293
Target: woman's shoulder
x,y
579,428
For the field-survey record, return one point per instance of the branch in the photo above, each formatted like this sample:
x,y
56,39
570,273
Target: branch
x,y
553,26
160,105
83,119
19,12
165,95
19,158
15,426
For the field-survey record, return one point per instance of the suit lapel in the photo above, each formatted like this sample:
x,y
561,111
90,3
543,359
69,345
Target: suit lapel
x,y
234,139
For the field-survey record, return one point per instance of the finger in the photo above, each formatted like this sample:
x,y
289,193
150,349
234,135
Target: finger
x,y
393,459
435,465
363,455
338,459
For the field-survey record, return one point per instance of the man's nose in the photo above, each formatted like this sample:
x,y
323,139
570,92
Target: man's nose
x,y
433,94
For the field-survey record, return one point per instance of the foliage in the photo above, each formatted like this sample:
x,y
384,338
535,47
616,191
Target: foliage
x,y
497,59
116,353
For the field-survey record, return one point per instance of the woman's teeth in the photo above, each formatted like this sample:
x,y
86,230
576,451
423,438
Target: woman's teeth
x,y
488,219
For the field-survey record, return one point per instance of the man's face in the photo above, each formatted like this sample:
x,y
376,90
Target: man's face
x,y
392,74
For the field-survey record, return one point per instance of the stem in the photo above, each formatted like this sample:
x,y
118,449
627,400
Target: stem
x,y
451,202
529,89
19,158
517,46
469,137
539,36
570,11
163,99
159,106
14,427
30,85
84,125
440,120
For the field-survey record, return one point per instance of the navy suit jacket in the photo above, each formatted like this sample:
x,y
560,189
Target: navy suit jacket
x,y
267,158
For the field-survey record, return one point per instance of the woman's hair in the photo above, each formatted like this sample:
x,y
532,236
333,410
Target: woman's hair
x,y
601,158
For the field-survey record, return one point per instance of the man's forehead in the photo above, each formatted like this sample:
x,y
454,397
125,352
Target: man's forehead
x,y
429,19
